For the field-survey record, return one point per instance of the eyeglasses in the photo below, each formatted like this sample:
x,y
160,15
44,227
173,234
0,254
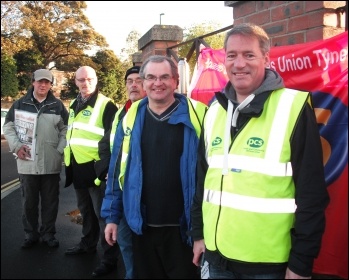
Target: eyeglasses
x,y
83,80
130,82
163,78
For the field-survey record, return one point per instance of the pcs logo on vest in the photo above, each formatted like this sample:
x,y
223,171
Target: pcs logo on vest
x,y
216,144
254,144
216,141
128,131
86,113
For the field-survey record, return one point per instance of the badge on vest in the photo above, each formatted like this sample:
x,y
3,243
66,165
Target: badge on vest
x,y
236,170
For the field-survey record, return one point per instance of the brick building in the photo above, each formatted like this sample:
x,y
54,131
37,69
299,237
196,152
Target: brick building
x,y
293,22
286,22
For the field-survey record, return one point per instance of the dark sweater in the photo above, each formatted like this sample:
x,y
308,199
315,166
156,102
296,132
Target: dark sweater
x,y
162,148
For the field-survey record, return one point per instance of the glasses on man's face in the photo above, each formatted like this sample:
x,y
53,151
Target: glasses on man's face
x,y
163,78
84,80
130,82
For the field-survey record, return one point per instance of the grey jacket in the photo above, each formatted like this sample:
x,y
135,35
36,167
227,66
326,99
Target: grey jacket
x,y
50,134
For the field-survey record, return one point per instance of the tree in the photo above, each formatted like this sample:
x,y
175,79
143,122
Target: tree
x,y
56,29
131,48
70,90
11,16
195,31
25,59
110,74
51,34
9,82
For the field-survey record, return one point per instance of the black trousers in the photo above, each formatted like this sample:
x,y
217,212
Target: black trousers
x,y
38,189
161,254
93,225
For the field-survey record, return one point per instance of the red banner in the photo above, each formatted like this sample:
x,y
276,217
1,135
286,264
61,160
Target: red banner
x,y
322,68
210,75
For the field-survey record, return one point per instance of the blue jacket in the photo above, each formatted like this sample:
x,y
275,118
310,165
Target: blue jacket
x,y
129,199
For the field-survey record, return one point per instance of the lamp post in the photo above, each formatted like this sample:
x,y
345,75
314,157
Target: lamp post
x,y
162,14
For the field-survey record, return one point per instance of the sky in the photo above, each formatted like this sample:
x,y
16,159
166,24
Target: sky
x,y
116,19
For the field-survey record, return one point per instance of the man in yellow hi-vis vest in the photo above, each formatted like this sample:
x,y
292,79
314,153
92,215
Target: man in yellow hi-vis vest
x,y
90,117
135,91
259,208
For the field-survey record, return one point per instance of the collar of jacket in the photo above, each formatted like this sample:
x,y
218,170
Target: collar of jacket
x,y
28,98
254,109
91,101
179,96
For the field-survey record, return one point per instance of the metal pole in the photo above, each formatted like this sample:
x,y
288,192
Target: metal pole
x,y
162,14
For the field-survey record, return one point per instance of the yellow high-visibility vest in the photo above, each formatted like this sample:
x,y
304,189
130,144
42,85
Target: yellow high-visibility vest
x,y
85,130
249,193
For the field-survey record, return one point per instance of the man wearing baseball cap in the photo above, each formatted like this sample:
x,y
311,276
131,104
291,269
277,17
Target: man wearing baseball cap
x,y
43,74
40,174
135,91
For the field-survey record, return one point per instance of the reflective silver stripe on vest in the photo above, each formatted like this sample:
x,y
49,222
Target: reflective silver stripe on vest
x,y
250,204
208,124
270,164
96,111
124,157
257,165
84,142
278,128
90,127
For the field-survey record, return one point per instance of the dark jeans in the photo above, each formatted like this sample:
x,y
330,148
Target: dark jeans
x,y
125,243
159,253
89,204
35,188
216,272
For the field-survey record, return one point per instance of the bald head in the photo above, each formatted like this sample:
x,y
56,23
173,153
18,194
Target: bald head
x,y
86,70
86,80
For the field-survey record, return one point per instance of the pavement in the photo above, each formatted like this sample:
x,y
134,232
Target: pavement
x,y
40,261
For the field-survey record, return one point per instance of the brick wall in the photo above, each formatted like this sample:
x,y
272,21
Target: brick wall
x,y
157,40
286,22
292,22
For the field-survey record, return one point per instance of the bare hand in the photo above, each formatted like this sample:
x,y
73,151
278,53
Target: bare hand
x,y
110,233
198,249
24,152
291,275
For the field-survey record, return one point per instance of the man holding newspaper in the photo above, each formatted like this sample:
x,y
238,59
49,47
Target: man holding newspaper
x,y
35,128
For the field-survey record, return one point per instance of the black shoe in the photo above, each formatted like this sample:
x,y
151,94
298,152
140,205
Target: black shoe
x,y
52,242
28,243
103,269
78,251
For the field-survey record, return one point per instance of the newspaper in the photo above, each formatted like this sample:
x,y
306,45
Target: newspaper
x,y
205,268
25,125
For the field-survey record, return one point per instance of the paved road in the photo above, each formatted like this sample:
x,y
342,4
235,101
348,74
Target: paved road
x,y
42,262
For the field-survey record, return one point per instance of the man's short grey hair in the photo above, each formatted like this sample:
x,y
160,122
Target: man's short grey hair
x,y
159,59
250,30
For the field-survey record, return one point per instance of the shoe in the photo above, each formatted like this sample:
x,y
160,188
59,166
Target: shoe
x,y
103,269
78,251
52,242
28,243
